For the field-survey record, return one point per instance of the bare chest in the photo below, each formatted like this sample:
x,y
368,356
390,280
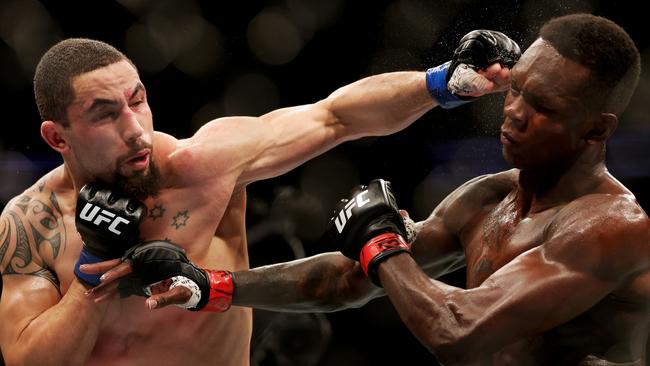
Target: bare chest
x,y
133,335
183,216
499,236
187,218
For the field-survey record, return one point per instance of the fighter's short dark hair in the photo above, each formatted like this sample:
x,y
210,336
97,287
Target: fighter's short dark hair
x,y
604,48
59,65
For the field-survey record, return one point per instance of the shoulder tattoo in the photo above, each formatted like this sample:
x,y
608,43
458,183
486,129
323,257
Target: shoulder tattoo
x,y
30,230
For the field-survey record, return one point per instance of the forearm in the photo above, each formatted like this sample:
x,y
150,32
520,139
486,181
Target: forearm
x,y
64,334
381,104
426,306
322,283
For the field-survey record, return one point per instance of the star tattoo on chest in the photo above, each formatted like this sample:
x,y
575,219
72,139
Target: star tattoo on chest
x,y
156,212
180,219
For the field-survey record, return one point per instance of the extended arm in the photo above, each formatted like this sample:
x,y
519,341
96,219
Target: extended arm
x,y
325,282
332,282
40,327
258,148
263,147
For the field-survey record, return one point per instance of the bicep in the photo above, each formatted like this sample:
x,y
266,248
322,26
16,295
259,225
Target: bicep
x,y
291,136
436,248
544,290
588,254
24,298
257,148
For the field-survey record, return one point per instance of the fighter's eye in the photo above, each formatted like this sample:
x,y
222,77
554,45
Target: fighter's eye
x,y
103,116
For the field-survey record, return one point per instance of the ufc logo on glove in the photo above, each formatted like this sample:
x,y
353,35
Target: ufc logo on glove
x,y
90,212
346,212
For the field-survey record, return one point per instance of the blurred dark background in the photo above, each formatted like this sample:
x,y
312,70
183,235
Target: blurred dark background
x,y
206,59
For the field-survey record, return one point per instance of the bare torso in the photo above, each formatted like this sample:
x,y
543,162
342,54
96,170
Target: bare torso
x,y
209,225
615,329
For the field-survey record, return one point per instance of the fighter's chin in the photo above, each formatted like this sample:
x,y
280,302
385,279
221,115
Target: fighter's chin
x,y
139,182
130,173
511,159
507,156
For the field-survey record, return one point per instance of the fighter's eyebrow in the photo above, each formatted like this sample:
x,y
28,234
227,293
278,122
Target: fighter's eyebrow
x,y
102,101
98,103
137,88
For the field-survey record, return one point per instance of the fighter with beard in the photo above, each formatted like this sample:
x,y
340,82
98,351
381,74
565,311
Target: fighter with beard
x,y
95,113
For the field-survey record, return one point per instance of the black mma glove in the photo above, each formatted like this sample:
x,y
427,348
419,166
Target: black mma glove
x,y
108,223
157,261
477,50
368,227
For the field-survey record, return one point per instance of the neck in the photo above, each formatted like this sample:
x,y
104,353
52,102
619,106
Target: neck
x,y
544,187
73,177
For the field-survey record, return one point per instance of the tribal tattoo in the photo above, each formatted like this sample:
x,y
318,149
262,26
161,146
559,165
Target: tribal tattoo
x,y
30,231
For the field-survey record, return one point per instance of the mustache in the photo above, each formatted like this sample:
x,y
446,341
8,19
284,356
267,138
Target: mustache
x,y
134,149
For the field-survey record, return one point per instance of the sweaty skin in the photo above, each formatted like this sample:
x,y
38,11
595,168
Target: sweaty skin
x,y
48,319
128,332
557,251
558,255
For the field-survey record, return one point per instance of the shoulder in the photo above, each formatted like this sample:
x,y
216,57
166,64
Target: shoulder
x,y
216,150
32,230
50,192
176,159
610,233
235,127
472,198
617,213
482,190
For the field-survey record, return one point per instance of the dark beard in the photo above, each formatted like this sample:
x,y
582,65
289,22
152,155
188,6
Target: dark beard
x,y
140,186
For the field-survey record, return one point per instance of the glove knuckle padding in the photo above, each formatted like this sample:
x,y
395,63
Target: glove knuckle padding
x,y
368,212
481,48
107,221
159,260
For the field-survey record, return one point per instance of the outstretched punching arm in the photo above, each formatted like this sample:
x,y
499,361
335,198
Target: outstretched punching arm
x,y
330,281
259,148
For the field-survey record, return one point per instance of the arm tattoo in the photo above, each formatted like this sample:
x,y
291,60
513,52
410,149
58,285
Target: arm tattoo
x,y
22,250
23,202
55,203
48,222
45,226
50,276
5,235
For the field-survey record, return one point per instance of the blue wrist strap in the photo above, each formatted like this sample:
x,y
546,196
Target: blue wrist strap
x,y
87,258
437,86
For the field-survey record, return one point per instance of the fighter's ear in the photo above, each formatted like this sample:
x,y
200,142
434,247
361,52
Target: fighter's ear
x,y
51,133
602,128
